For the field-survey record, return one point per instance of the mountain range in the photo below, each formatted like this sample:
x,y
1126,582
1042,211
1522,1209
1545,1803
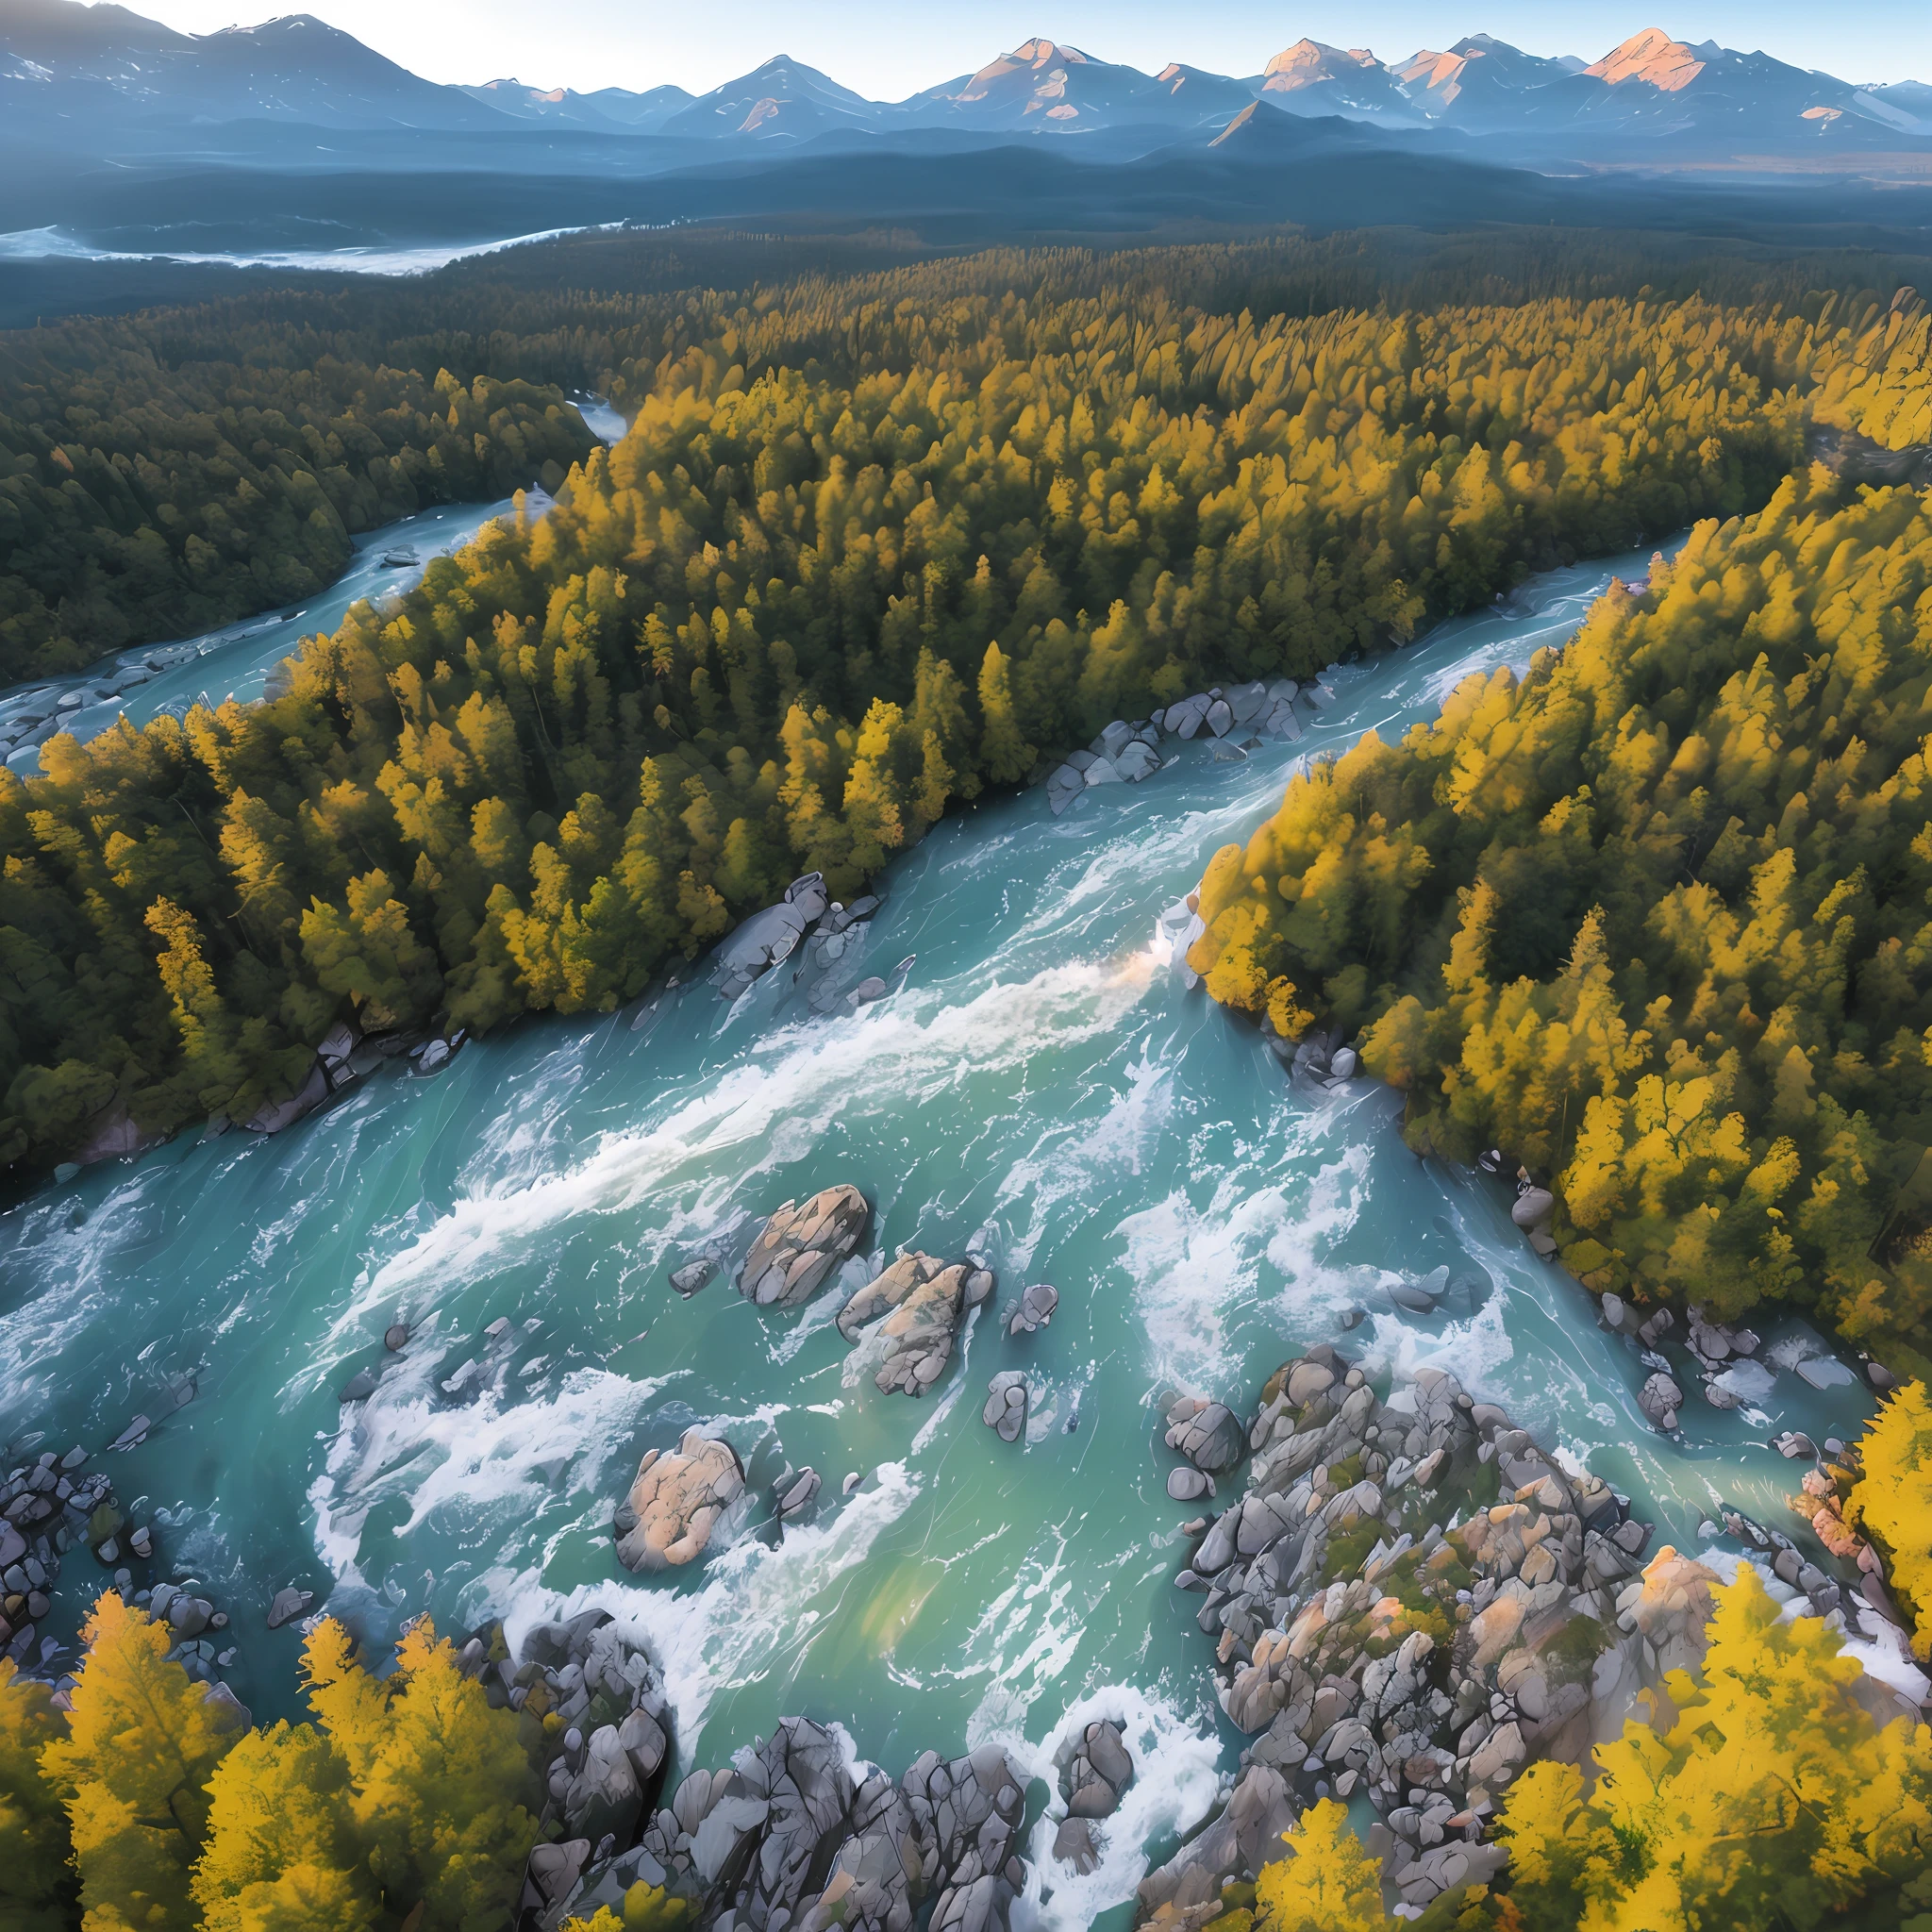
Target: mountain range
x,y
80,78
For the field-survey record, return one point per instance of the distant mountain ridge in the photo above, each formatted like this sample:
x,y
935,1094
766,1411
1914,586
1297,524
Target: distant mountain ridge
x,y
77,76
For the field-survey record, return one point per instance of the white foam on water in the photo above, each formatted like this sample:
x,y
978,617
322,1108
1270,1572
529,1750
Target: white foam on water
x,y
753,1614
1474,1351
490,1457
1024,1640
1176,1780
920,1048
1298,1248
1194,1268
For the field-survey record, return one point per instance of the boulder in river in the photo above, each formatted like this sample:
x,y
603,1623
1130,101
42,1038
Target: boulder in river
x,y
1095,1768
1006,1406
1209,1434
676,1502
919,1332
1660,1399
801,1246
1034,1310
794,1492
287,1605
693,1276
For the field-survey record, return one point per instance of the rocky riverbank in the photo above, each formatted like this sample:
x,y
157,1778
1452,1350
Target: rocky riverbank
x,y
1411,1601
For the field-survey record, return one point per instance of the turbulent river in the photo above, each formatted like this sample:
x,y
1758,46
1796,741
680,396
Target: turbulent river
x,y
1039,1086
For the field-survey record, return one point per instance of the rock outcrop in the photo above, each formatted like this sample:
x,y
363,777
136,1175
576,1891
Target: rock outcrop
x,y
918,1303
676,1502
1127,753
1095,1768
1363,1530
801,1247
601,1727
790,1840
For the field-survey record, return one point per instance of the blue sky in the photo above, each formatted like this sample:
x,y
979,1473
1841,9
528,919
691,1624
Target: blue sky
x,y
890,50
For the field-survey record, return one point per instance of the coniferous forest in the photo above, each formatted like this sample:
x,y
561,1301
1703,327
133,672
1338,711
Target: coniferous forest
x,y
1653,919
868,547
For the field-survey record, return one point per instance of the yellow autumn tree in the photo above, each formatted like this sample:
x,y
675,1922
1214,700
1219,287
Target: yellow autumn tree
x,y
36,1878
1770,1799
437,1780
283,1853
142,1740
1327,1883
1891,1501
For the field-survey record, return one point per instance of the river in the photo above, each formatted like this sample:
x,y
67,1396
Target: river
x,y
1041,1087
235,660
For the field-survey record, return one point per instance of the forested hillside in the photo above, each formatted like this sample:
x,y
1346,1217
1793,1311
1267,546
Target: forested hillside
x,y
868,547
1653,918
157,484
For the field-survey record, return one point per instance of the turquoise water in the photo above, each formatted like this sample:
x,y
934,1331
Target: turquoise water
x,y
1041,1088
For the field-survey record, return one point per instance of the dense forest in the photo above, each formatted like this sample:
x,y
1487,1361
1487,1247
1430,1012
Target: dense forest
x,y
869,547
1654,917
150,489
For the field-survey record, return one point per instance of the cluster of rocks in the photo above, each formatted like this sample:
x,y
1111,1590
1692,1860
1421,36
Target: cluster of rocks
x,y
344,1055
1317,1056
830,934
911,1311
595,1718
918,1304
768,937
1735,1369
1212,1439
86,709
1410,1600
1127,752
47,1508
1094,1768
793,1838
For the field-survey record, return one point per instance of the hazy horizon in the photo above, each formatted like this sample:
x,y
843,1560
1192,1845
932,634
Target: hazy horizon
x,y
863,45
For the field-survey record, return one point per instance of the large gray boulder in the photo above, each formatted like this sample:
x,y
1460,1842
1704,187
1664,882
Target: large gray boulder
x,y
1209,1434
800,1247
1006,1406
1660,1399
1095,1768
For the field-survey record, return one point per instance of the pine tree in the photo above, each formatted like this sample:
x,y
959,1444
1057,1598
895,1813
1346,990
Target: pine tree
x,y
1005,755
283,1853
36,1878
142,1739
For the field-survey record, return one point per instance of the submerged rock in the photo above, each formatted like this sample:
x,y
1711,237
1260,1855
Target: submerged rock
x,y
693,1276
800,1248
794,1492
676,1502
